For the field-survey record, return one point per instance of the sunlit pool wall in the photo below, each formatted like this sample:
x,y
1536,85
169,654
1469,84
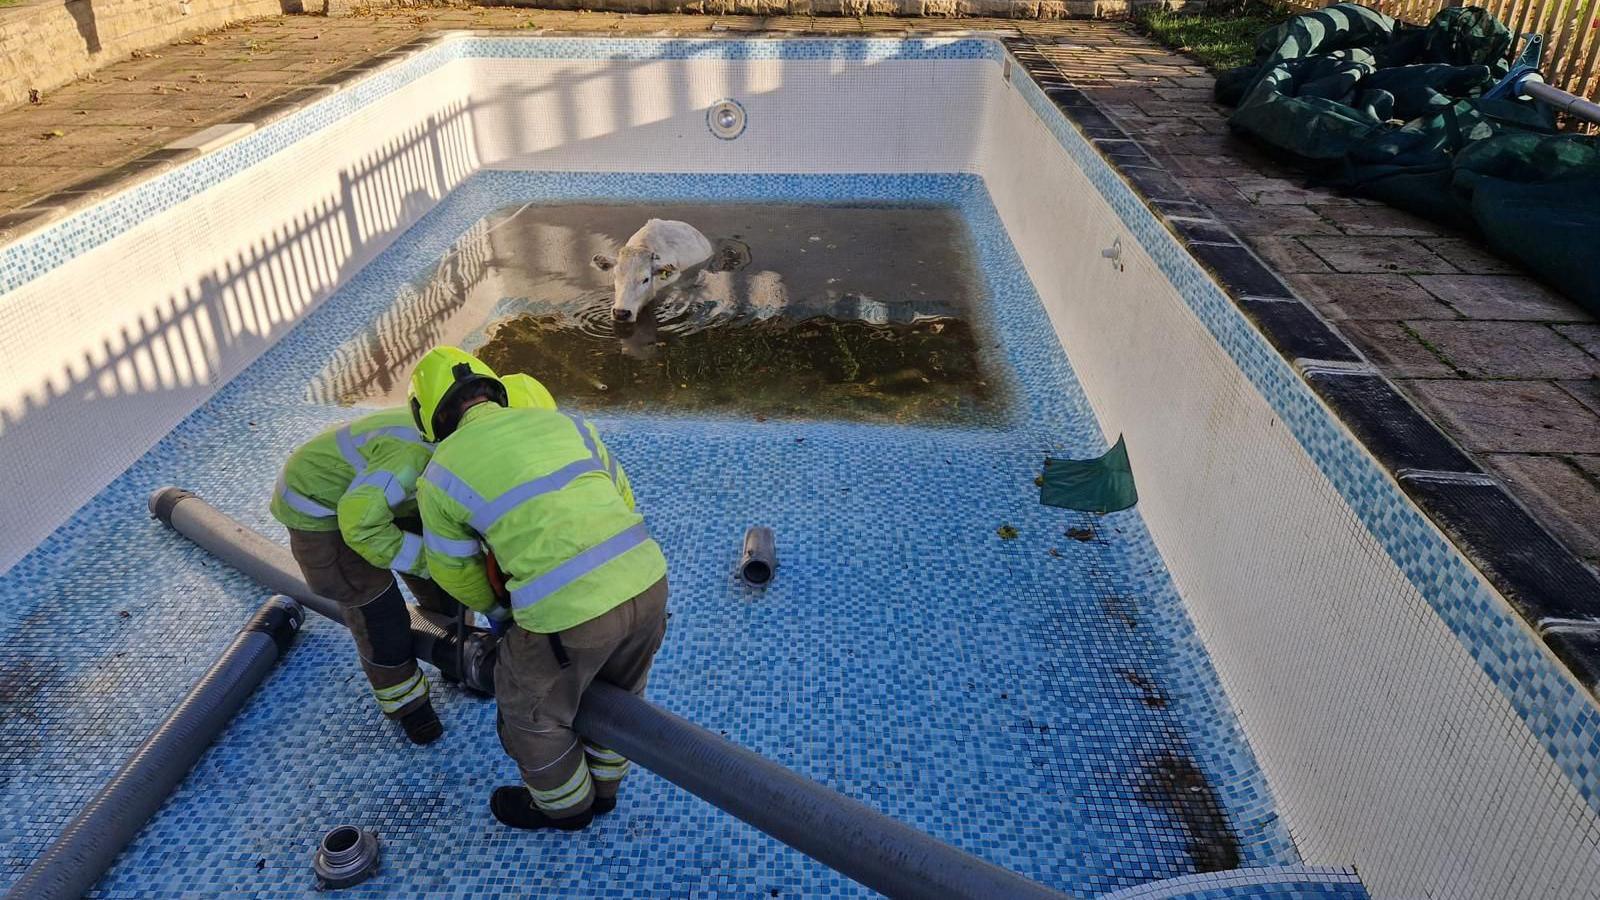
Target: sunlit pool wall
x,y
121,320
879,105
1408,720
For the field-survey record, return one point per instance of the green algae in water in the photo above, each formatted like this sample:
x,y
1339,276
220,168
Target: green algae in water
x,y
867,312
921,371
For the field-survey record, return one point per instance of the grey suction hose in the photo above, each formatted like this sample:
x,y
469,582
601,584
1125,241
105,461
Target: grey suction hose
x,y
843,834
839,832
471,663
71,865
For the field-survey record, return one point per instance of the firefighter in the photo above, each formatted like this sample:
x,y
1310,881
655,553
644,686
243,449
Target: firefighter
x,y
348,498
585,588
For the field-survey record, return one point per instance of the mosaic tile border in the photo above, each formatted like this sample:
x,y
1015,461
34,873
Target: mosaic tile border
x,y
1390,461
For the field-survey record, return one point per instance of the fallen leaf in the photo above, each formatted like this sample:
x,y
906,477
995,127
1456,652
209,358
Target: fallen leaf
x,y
1006,532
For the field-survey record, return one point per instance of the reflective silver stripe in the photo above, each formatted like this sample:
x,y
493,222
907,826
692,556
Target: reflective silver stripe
x,y
603,755
609,771
300,503
578,566
574,791
398,432
611,466
583,432
490,513
405,559
393,492
392,699
453,487
350,450
459,548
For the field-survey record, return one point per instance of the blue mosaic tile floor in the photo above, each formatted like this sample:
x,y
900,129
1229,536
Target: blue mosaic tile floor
x,y
1003,697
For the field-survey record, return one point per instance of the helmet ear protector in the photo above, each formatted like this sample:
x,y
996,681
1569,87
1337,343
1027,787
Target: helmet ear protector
x,y
447,415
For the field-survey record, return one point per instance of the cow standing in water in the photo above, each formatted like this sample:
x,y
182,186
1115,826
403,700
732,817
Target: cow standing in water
x,y
658,255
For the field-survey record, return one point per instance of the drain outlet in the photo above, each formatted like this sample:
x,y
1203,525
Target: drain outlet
x,y
346,856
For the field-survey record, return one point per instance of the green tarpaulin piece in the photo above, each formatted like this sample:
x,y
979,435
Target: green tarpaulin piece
x,y
1092,485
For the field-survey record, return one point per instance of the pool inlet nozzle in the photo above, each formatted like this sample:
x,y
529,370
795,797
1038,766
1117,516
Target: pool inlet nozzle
x,y
345,857
760,558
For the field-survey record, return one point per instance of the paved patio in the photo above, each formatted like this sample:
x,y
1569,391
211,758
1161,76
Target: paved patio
x,y
1509,368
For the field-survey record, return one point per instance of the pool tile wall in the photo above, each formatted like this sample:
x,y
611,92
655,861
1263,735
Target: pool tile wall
x,y
1405,718
115,323
1409,721
1010,726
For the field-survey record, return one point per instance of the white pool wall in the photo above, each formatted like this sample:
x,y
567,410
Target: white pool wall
x,y
803,116
1387,745
103,355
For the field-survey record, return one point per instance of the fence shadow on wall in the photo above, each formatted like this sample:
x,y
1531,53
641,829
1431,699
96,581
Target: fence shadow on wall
x,y
206,332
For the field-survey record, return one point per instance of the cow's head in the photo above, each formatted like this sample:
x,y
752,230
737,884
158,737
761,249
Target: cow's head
x,y
636,275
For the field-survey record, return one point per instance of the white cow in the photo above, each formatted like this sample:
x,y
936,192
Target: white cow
x,y
659,254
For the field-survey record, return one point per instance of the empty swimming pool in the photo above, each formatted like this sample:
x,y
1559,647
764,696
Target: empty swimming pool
x,y
927,280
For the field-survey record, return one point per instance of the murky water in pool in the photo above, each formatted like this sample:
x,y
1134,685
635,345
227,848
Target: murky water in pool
x,y
804,311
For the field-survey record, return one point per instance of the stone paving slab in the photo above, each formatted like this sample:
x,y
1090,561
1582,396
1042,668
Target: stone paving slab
x,y
1505,349
1506,298
1371,296
1511,416
1396,349
1430,307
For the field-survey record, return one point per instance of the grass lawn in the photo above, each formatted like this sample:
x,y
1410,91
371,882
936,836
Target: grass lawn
x,y
1221,40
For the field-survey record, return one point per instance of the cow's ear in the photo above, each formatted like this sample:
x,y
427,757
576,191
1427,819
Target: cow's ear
x,y
603,262
666,271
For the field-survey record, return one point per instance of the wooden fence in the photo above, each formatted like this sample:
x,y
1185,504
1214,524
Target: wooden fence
x,y
1571,30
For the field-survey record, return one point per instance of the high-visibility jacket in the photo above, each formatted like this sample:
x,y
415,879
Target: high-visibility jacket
x,y
358,479
541,490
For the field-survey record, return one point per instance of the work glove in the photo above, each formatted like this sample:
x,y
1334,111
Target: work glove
x,y
499,620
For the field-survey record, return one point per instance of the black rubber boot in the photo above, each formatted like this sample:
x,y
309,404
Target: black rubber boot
x,y
603,805
513,806
422,724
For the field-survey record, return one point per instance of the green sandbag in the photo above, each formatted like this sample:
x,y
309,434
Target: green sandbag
x,y
1099,485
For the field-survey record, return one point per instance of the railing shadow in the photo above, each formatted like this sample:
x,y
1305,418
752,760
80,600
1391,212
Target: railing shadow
x,y
139,381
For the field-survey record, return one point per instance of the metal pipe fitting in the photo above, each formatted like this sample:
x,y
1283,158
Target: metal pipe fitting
x,y
345,857
759,562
